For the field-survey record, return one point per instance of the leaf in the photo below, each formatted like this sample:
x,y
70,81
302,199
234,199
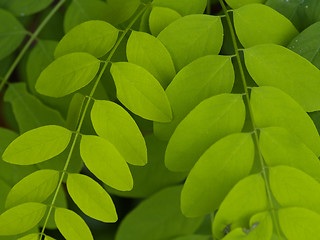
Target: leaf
x,y
276,66
203,78
299,223
280,147
27,7
239,205
36,187
28,110
37,145
32,236
71,225
294,188
191,37
156,218
239,3
74,111
258,24
67,74
94,37
160,18
140,92
104,161
21,218
148,52
307,43
91,198
115,124
211,120
184,7
215,173
271,107
11,34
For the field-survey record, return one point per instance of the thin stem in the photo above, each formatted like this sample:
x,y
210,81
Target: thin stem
x,y
77,132
208,10
254,128
28,44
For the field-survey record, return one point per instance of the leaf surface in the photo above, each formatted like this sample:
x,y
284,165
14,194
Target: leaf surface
x,y
160,18
27,7
184,7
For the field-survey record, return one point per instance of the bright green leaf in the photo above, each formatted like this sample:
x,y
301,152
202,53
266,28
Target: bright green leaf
x,y
211,120
184,7
194,237
32,236
36,187
71,225
27,7
37,145
191,37
239,3
94,37
104,161
272,107
148,52
21,218
91,198
115,124
140,92
277,66
67,74
160,18
215,173
203,78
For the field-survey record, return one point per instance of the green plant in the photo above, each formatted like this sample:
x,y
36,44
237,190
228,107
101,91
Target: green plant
x,y
133,88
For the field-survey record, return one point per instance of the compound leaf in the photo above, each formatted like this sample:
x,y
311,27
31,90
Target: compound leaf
x,y
91,198
67,74
140,92
184,7
37,145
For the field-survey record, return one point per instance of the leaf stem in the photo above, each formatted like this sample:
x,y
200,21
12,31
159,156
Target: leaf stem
x,y
255,129
28,44
77,132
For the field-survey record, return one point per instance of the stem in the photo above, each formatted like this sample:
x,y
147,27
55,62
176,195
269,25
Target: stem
x,y
77,133
32,38
255,130
208,10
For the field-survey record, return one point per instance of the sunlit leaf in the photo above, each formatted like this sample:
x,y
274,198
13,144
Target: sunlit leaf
x,y
240,3
160,18
184,7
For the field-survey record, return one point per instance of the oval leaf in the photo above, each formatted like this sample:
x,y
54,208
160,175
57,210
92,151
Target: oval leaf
x,y
27,7
104,161
37,145
115,124
191,37
239,3
184,7
218,169
94,37
91,198
211,120
140,92
71,225
67,74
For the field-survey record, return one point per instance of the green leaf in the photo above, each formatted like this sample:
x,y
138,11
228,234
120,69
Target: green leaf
x,y
148,52
236,209
215,173
74,111
91,198
21,218
32,236
184,7
307,44
280,147
160,18
94,37
299,223
211,120
203,78
158,217
12,33
104,161
277,66
71,225
257,24
36,187
37,145
67,74
191,37
194,237
27,7
292,187
115,124
140,92
28,110
272,107
240,3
